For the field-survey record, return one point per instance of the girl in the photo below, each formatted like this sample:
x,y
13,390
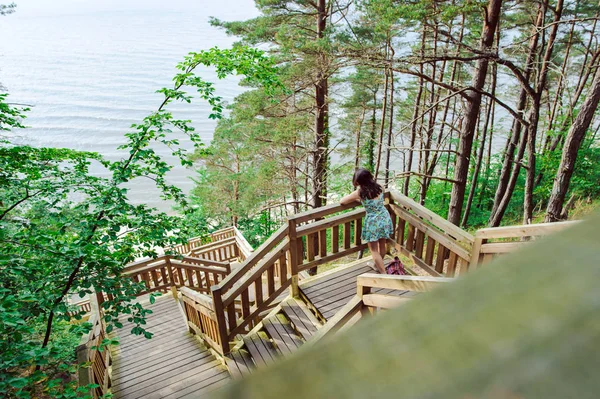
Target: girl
x,y
378,223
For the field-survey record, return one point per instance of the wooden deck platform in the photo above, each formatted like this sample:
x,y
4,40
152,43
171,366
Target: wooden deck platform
x,y
330,291
173,364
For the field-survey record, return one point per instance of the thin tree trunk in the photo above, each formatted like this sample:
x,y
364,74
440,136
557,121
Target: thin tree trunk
x,y
533,122
472,107
358,129
382,125
391,123
321,120
416,112
510,165
573,142
480,153
372,135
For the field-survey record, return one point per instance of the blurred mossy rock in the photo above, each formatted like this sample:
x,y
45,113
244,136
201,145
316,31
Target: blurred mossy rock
x,y
524,326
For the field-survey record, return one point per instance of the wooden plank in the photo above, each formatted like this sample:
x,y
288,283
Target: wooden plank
x,y
323,243
442,254
309,316
410,238
400,228
408,283
194,383
299,319
430,251
271,280
329,222
348,311
281,345
161,378
209,383
282,324
310,247
524,230
384,301
501,247
257,356
357,232
419,241
335,239
450,271
347,235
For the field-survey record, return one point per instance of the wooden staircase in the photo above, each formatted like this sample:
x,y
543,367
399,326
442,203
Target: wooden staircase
x,y
280,333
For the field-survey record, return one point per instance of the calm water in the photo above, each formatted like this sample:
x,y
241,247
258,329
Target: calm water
x,y
91,70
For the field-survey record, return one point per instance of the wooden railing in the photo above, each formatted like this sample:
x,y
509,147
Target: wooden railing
x,y
255,285
93,360
366,302
199,241
201,318
225,250
319,236
494,241
168,272
434,244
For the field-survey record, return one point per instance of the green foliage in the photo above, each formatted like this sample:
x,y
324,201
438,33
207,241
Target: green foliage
x,y
65,232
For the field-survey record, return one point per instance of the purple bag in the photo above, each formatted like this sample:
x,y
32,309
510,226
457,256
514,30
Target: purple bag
x,y
396,267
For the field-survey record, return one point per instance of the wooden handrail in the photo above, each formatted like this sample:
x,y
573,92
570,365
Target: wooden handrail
x,y
264,249
401,283
527,230
509,238
94,364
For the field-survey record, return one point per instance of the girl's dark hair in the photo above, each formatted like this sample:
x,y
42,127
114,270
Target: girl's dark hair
x,y
369,188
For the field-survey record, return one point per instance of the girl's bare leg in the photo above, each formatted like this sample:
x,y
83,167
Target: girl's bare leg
x,y
374,248
382,247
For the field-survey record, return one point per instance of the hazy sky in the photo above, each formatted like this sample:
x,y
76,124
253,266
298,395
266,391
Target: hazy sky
x,y
60,7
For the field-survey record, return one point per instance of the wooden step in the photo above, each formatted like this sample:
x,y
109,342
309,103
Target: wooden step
x,y
261,348
301,317
239,363
282,333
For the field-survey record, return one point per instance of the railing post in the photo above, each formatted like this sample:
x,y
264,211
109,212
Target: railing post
x,y
171,276
360,292
220,314
293,257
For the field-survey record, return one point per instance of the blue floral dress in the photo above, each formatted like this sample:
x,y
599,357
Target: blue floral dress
x,y
378,223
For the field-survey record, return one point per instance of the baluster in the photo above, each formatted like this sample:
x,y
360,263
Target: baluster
x,y
335,239
442,253
419,241
258,291
245,304
429,251
271,280
220,316
410,239
347,235
357,231
282,270
323,243
452,264
310,247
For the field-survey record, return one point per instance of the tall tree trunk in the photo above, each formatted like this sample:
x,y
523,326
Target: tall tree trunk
x,y
573,142
535,115
472,107
391,123
481,151
357,144
321,150
503,192
372,135
416,112
383,113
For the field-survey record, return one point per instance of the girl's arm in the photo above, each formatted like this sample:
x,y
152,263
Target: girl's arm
x,y
350,198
